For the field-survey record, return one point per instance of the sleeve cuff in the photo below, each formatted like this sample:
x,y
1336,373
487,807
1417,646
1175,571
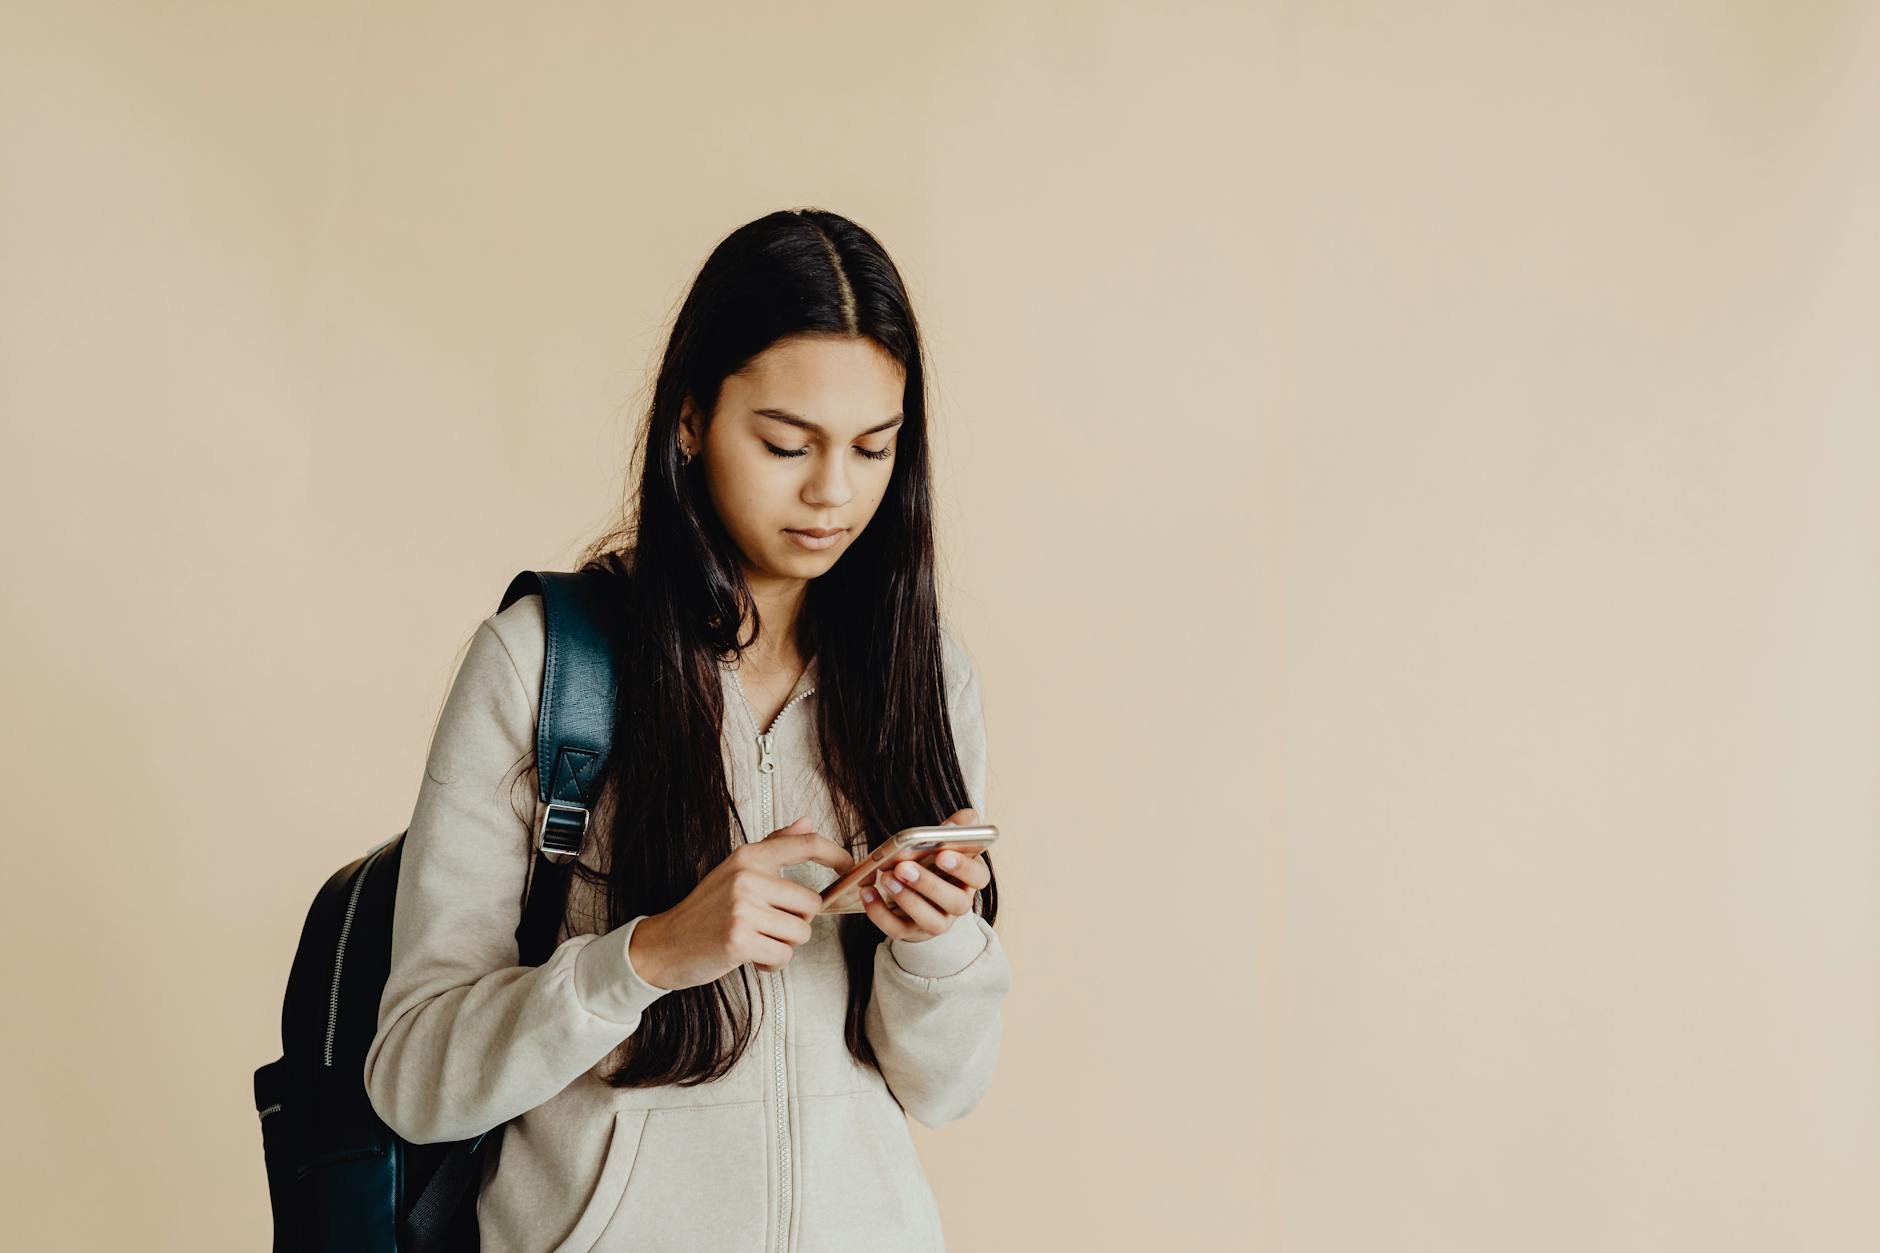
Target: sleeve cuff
x,y
605,980
946,954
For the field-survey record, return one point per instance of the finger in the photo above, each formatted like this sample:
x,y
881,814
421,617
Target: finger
x,y
787,847
886,885
892,924
927,918
968,870
785,925
918,901
880,888
792,897
945,895
775,953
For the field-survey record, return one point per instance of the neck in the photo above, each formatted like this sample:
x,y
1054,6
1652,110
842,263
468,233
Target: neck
x,y
779,602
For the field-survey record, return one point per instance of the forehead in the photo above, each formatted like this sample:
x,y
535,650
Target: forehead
x,y
843,384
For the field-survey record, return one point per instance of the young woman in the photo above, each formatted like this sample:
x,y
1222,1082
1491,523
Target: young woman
x,y
704,1064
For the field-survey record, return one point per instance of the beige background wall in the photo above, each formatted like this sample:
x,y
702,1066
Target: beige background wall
x,y
1409,477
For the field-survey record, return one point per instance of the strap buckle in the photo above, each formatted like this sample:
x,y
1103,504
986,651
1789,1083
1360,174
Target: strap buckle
x,y
561,831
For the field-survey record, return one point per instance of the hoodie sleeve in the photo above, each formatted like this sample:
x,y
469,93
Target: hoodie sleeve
x,y
935,1015
468,1039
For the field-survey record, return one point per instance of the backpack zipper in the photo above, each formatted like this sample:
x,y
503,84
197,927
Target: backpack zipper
x,y
766,768
339,953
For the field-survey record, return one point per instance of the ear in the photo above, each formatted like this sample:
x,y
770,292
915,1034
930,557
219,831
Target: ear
x,y
688,422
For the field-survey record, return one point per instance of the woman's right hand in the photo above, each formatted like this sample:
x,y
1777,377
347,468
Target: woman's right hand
x,y
743,910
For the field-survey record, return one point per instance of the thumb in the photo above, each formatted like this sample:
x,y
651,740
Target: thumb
x,y
963,818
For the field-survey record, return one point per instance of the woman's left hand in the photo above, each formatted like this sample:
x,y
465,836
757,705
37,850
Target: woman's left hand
x,y
930,895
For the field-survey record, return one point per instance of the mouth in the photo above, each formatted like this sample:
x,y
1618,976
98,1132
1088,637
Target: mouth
x,y
817,537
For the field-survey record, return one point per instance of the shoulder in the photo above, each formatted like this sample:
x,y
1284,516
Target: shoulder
x,y
522,631
522,627
955,658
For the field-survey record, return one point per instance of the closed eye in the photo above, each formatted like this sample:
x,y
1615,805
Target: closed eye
x,y
775,451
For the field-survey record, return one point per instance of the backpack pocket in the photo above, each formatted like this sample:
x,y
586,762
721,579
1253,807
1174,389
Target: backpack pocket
x,y
279,1149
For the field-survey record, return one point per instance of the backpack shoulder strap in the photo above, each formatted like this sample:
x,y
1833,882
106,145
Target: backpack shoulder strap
x,y
574,731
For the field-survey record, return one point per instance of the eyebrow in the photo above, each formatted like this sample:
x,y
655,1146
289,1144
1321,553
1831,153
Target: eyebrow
x,y
784,415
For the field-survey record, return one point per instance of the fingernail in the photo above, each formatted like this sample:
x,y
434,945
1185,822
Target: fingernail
x,y
949,860
894,885
910,871
868,894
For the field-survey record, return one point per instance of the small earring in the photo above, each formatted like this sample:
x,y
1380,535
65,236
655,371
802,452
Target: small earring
x,y
688,458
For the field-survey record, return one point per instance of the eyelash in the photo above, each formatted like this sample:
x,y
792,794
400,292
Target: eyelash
x,y
775,451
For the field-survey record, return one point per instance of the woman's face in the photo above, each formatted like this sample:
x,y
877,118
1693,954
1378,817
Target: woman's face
x,y
804,437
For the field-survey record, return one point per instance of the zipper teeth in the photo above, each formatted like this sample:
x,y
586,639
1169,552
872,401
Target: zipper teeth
x,y
339,954
766,767
776,1033
786,709
783,1124
753,711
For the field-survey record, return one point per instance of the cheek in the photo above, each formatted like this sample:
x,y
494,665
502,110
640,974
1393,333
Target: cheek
x,y
753,490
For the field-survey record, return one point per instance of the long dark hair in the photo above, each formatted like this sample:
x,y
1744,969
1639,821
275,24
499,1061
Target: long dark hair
x,y
872,621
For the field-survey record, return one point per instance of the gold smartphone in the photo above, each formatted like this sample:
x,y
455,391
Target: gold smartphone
x,y
844,896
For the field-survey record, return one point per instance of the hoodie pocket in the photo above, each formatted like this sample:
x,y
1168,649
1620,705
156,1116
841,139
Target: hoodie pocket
x,y
862,1182
702,1180
623,1150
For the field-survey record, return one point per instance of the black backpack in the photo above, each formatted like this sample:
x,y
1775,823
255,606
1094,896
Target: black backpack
x,y
338,1177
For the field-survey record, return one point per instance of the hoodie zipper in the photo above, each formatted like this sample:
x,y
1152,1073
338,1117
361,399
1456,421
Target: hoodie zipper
x,y
766,768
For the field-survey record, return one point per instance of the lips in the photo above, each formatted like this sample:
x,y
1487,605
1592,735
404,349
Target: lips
x,y
819,540
817,532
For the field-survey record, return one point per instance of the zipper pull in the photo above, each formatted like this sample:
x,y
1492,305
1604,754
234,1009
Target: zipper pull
x,y
765,765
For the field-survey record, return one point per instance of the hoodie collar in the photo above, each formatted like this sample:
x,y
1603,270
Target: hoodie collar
x,y
805,684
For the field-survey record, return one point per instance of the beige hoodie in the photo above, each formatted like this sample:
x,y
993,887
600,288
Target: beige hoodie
x,y
799,1147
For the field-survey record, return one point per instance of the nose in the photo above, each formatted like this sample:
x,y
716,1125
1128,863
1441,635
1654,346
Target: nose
x,y
828,485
